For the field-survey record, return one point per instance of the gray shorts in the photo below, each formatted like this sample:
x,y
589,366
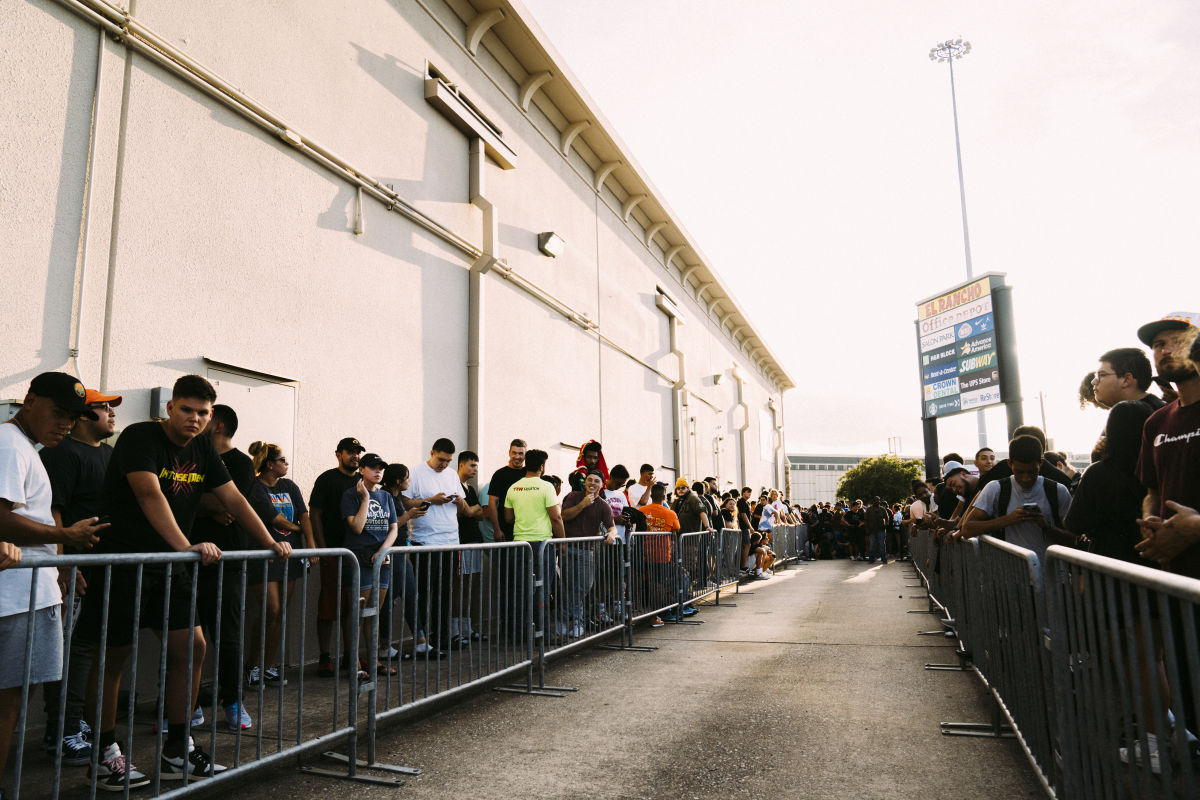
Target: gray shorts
x,y
47,647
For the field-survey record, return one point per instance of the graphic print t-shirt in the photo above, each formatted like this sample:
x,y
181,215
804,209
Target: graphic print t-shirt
x,y
381,514
184,474
283,498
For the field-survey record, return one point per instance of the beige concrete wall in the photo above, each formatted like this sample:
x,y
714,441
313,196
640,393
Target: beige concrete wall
x,y
211,238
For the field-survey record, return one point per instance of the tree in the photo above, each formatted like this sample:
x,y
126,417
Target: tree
x,y
884,476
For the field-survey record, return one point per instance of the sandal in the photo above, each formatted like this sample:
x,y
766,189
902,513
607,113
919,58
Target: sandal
x,y
384,669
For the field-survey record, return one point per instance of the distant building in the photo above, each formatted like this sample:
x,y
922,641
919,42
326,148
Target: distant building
x,y
814,478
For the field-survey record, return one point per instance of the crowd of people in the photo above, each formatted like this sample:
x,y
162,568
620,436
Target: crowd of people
x,y
1137,501
180,484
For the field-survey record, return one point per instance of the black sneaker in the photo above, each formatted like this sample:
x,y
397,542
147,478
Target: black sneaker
x,y
76,749
196,765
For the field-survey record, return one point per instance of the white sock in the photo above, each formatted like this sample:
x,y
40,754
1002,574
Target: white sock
x,y
454,626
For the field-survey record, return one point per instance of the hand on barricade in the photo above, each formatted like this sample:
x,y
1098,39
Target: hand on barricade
x,y
10,555
83,534
210,553
283,551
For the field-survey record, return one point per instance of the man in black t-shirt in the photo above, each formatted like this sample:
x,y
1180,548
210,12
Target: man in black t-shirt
x,y
856,529
470,562
215,523
502,480
505,566
153,489
744,512
329,530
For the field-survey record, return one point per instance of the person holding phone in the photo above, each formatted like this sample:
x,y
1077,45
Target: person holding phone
x,y
1025,509
371,524
434,484
404,582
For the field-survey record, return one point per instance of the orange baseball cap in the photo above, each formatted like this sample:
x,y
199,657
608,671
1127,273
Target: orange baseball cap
x,y
94,398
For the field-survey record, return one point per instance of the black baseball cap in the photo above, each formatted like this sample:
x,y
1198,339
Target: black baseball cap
x,y
350,444
372,460
65,390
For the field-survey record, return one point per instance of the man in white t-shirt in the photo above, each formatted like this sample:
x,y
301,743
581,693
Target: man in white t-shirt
x,y
54,401
1031,519
608,583
435,483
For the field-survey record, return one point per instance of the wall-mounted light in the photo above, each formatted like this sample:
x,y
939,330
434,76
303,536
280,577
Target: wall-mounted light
x,y
551,244
718,378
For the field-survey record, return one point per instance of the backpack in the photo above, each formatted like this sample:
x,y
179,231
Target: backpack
x,y
1049,486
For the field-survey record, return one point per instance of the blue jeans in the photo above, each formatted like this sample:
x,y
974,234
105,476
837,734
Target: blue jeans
x,y
879,546
578,573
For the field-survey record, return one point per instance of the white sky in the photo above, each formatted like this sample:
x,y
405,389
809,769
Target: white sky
x,y
808,147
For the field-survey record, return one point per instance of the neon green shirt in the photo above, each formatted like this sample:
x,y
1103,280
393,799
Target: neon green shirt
x,y
529,498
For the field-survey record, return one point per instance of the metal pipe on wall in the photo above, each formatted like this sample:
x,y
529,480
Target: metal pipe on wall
x,y
476,297
678,392
86,213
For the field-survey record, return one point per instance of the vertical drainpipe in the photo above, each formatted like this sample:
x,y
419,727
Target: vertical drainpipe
x,y
89,180
781,469
741,438
678,397
475,290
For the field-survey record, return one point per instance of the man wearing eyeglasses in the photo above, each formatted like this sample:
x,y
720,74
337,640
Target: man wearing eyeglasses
x,y
1124,374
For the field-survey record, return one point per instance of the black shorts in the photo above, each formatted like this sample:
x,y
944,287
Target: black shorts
x,y
123,601
745,537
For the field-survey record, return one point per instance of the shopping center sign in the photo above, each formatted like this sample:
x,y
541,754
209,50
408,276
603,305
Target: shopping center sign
x,y
957,342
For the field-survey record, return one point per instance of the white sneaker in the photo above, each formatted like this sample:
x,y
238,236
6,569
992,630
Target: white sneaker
x,y
388,652
577,630
113,769
1152,748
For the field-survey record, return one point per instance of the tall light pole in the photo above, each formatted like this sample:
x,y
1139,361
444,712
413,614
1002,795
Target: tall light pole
x,y
950,51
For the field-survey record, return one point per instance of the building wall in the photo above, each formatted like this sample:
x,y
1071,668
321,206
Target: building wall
x,y
214,246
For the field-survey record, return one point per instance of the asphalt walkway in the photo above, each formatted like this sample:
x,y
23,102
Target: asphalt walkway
x,y
813,686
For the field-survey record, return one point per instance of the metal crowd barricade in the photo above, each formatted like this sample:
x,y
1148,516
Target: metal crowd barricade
x,y
470,619
1126,664
783,542
700,565
654,574
284,727
999,587
729,559
585,601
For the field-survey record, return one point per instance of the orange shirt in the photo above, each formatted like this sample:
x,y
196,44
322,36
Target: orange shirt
x,y
659,519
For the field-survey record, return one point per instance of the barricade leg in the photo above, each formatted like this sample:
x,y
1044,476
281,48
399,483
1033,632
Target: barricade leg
x,y
997,728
